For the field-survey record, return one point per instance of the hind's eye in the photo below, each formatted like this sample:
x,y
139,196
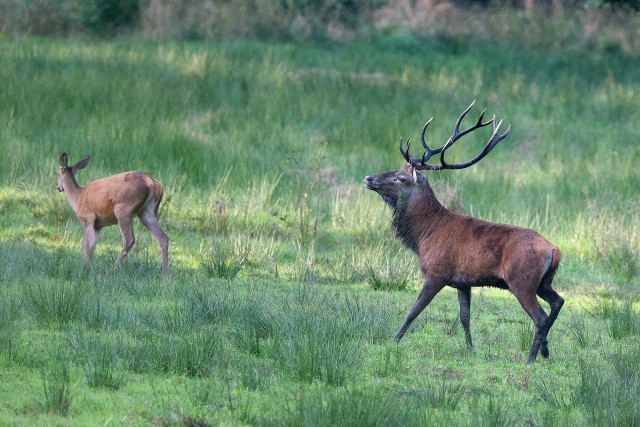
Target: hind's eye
x,y
402,179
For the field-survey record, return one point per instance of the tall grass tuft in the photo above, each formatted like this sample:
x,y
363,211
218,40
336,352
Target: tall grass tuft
x,y
170,402
444,392
553,392
255,374
10,329
101,360
388,273
56,388
621,258
623,319
525,333
317,346
370,406
199,306
194,354
52,302
607,398
626,362
252,323
391,361
490,411
371,320
580,330
617,242
100,313
307,266
225,259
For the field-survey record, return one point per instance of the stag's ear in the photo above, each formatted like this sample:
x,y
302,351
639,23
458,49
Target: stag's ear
x,y
419,178
64,160
81,164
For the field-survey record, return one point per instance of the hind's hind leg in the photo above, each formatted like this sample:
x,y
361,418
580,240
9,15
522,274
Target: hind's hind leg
x,y
150,220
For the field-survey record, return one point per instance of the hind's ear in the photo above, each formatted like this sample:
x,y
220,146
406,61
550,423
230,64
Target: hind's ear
x,y
64,160
81,164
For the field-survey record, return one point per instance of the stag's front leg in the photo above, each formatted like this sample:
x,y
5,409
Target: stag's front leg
x,y
128,239
464,298
429,290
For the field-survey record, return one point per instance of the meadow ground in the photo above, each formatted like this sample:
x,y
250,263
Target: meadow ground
x,y
286,283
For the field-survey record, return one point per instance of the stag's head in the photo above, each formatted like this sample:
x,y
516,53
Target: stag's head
x,y
66,172
393,184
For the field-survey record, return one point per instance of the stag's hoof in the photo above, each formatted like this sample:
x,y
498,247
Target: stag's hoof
x,y
544,350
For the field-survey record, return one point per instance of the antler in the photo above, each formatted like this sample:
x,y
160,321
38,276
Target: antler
x,y
421,163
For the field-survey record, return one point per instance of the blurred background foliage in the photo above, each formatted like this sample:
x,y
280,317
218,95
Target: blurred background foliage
x,y
594,24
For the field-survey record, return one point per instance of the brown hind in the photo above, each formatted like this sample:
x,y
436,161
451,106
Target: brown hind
x,y
114,200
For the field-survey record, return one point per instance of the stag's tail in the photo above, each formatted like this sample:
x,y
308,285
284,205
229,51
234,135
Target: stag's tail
x,y
158,191
550,267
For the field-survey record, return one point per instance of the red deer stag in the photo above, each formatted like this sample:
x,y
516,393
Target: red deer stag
x,y
114,200
461,251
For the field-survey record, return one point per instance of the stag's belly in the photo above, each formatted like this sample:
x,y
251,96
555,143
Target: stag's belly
x,y
495,282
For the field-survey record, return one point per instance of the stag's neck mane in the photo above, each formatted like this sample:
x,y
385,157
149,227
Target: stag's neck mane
x,y
420,203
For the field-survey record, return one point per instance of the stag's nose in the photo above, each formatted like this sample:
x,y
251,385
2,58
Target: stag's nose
x,y
370,182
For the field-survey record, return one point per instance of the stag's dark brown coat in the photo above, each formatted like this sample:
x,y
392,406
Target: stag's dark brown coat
x,y
461,251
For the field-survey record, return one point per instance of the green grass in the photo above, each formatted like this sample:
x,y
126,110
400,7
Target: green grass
x,y
286,284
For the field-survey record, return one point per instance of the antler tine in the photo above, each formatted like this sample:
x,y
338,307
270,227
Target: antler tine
x,y
464,113
456,131
416,163
496,137
405,153
421,163
428,152
424,129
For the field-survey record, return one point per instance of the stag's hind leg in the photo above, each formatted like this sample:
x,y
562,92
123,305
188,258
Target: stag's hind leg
x,y
464,298
555,301
149,219
527,299
429,290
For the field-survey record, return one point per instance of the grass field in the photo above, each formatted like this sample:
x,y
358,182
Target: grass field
x,y
286,282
